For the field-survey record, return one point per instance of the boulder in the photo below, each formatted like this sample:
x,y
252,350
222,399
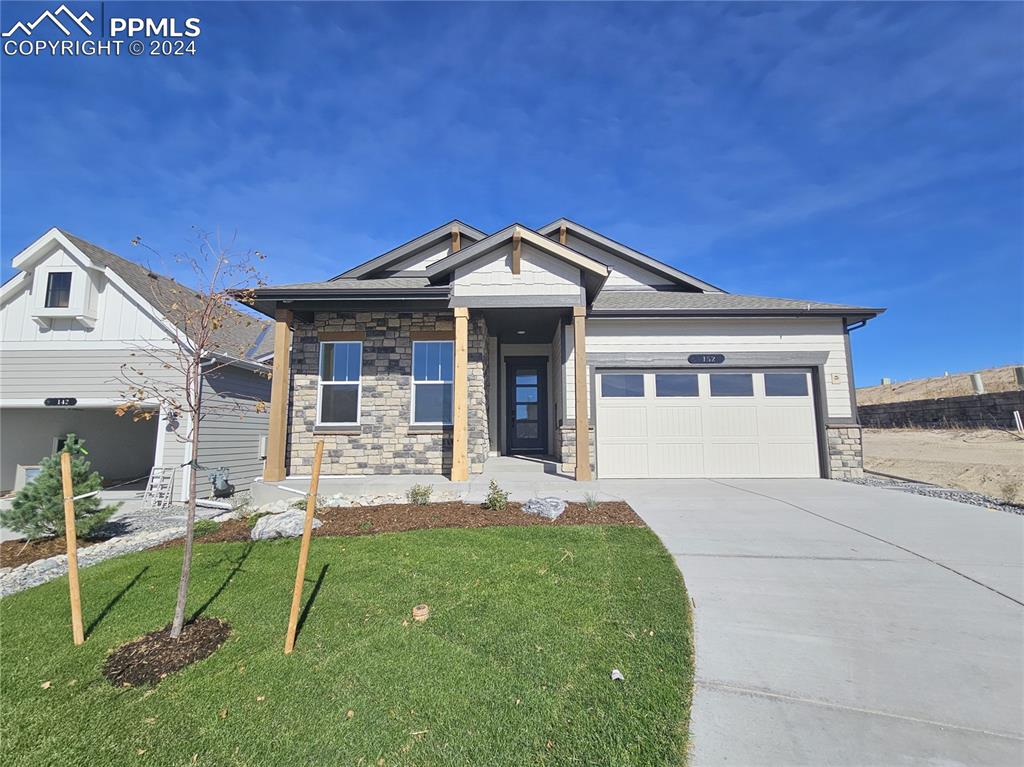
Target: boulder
x,y
287,524
549,508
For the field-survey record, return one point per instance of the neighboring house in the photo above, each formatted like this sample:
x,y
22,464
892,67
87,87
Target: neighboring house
x,y
557,342
71,317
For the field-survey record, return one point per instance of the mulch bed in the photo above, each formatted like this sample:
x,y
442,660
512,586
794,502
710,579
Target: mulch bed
x,y
148,659
14,553
402,517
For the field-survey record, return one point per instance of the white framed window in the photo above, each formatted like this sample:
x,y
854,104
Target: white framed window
x,y
339,389
58,290
433,371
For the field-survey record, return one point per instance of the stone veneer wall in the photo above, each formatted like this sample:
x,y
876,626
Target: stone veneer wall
x,y
385,442
993,410
845,451
565,447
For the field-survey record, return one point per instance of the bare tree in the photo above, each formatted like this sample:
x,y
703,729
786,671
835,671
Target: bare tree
x,y
208,333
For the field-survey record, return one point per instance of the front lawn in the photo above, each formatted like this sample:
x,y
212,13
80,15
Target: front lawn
x,y
512,668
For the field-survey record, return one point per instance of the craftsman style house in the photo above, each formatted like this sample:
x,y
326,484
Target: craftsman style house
x,y
71,317
561,343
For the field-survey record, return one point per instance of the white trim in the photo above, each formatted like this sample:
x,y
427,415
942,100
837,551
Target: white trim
x,y
91,402
320,384
186,468
161,438
413,382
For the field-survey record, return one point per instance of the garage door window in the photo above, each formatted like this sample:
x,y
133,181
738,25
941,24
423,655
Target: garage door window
x,y
622,385
785,384
675,385
732,385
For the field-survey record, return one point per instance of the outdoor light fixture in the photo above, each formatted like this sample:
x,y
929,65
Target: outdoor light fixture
x,y
520,332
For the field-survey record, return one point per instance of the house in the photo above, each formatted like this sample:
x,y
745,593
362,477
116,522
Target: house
x,y
70,318
556,342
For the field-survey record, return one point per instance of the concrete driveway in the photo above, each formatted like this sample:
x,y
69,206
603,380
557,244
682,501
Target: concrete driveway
x,y
838,624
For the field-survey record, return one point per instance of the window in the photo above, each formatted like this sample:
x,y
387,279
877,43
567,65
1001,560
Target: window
x,y
675,384
785,384
433,364
340,366
58,290
732,385
622,385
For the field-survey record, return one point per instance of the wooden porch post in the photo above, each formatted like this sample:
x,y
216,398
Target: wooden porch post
x,y
460,395
273,468
579,320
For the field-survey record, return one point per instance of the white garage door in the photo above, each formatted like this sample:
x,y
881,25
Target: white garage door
x,y
722,423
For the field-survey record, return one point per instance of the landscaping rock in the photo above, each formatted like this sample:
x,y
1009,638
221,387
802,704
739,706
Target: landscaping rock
x,y
549,508
286,525
276,507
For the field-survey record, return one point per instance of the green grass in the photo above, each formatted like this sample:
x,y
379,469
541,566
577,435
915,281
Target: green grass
x,y
511,669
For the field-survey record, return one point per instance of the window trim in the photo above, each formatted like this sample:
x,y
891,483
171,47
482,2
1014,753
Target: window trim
x,y
413,384
320,384
49,282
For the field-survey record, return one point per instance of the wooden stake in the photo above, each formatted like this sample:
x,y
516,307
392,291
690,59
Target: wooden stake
x,y
307,533
71,540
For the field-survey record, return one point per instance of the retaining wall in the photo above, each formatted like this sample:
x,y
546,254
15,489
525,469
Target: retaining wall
x,y
973,411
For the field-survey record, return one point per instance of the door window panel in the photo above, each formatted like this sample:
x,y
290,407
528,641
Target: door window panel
x,y
732,385
622,385
785,384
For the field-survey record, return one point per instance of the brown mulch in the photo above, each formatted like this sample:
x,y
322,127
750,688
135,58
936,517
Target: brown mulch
x,y
403,517
148,659
14,553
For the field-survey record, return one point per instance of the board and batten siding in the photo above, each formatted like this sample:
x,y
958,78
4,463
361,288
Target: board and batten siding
x,y
540,275
118,316
231,429
765,335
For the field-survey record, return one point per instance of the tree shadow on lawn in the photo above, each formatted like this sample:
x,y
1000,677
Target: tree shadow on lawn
x,y
113,601
309,602
236,567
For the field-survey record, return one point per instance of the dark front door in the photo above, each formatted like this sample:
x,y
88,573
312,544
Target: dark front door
x,y
526,397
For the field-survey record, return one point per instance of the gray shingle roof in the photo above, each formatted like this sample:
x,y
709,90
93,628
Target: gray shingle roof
x,y
240,334
370,283
669,301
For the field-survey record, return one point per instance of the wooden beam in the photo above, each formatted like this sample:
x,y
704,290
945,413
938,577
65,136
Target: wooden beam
x,y
516,247
456,238
561,234
579,326
71,543
342,335
460,397
277,435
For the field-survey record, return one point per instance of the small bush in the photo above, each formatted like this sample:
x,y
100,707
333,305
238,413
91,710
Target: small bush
x,y
591,501
38,508
497,499
205,527
419,494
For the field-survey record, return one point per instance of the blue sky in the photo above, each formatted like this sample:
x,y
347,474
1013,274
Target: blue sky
x,y
870,154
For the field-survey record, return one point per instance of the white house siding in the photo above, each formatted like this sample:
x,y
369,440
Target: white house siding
x,y
424,258
625,274
540,275
721,335
118,317
232,426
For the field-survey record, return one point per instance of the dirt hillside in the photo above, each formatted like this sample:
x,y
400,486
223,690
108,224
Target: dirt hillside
x,y
953,385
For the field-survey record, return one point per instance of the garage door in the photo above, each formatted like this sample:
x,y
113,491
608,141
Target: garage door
x,y
722,423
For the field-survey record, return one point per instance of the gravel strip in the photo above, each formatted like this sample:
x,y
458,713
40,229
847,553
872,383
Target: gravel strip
x,y
934,491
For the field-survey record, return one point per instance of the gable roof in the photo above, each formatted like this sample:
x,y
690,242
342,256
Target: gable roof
x,y
395,255
594,272
240,334
624,251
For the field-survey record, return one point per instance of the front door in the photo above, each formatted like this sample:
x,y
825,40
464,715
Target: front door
x,y
526,415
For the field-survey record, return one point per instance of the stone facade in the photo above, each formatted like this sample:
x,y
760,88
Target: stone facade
x,y
565,447
845,451
385,442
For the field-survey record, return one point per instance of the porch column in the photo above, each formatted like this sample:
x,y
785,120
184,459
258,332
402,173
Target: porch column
x,y
579,326
273,468
460,395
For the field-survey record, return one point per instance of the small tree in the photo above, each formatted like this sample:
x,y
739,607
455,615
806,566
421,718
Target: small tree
x,y
207,338
38,508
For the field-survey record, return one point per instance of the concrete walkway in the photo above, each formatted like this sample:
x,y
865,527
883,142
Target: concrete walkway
x,y
845,625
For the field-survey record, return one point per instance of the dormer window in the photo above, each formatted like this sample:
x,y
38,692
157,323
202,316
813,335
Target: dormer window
x,y
58,290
